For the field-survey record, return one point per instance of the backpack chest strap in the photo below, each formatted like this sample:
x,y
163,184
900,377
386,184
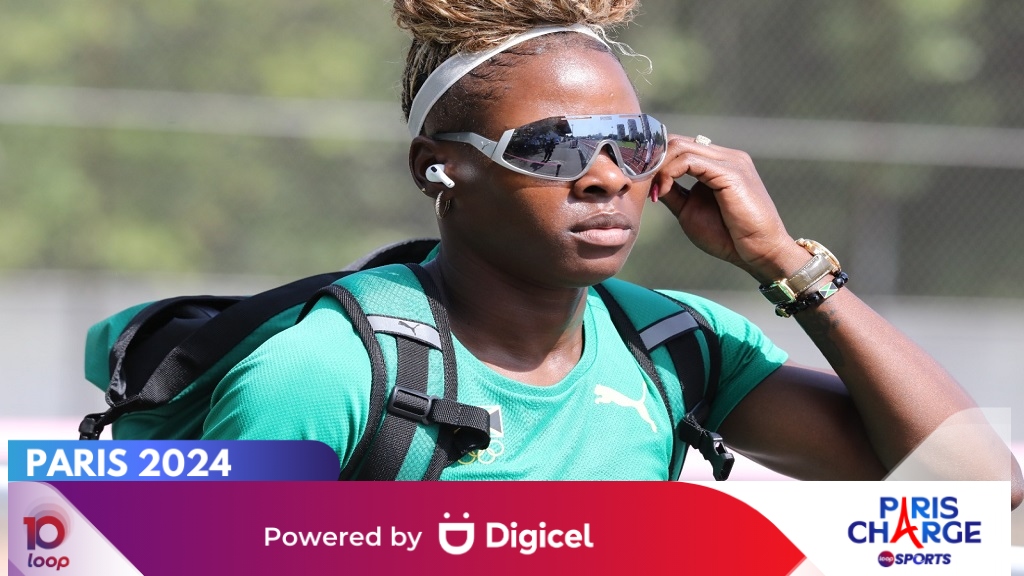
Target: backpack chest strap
x,y
646,320
396,416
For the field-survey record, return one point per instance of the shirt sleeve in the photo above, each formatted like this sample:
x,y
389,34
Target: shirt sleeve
x,y
309,382
748,355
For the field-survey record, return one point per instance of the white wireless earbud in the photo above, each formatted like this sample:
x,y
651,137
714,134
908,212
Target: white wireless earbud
x,y
436,174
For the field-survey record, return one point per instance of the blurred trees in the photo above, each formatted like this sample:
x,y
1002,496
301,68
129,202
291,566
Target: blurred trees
x,y
187,200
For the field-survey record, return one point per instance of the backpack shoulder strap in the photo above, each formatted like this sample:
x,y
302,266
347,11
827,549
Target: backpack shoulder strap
x,y
647,320
171,343
418,411
185,345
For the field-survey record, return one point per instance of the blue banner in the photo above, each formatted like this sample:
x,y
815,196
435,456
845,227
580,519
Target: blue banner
x,y
177,460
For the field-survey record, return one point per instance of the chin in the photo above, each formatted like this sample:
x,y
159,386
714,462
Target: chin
x,y
596,266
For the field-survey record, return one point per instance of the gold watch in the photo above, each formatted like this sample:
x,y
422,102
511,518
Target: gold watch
x,y
821,264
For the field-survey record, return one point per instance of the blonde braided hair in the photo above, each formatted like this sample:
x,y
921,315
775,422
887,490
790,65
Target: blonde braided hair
x,y
441,28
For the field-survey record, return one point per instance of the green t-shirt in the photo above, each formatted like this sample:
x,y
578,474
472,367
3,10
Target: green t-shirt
x,y
604,420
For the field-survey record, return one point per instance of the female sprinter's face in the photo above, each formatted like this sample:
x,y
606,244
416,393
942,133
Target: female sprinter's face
x,y
545,232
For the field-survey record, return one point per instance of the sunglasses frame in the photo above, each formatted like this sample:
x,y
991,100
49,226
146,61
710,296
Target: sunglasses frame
x,y
496,150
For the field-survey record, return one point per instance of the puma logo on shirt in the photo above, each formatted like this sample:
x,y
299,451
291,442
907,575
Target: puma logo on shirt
x,y
606,395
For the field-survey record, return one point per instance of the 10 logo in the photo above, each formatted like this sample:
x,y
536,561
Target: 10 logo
x,y
45,532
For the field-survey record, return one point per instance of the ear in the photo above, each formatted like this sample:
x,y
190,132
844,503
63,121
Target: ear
x,y
423,152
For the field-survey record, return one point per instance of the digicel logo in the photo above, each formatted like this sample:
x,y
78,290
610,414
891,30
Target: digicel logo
x,y
922,521
499,535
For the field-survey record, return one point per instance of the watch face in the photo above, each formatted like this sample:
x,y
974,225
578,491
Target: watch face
x,y
821,264
816,248
778,293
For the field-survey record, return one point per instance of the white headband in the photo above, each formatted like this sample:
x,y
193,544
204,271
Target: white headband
x,y
454,68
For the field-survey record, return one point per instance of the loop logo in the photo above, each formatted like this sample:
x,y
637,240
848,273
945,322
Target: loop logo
x,y
45,530
444,528
886,559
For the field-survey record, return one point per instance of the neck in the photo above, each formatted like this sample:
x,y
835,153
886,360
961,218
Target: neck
x,y
530,333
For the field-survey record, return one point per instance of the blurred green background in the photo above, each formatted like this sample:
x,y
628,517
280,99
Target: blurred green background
x,y
265,136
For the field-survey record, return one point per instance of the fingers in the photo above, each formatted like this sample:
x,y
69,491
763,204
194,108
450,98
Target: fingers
x,y
682,156
678,195
706,162
728,211
674,198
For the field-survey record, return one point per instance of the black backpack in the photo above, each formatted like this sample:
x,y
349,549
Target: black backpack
x,y
164,359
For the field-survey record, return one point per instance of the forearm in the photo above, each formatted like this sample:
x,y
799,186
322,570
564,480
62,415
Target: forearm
x,y
901,393
900,396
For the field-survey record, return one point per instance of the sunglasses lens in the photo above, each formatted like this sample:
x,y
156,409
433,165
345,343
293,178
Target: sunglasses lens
x,y
562,147
546,148
644,147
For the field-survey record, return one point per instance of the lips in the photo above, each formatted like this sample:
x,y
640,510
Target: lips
x,y
605,229
604,220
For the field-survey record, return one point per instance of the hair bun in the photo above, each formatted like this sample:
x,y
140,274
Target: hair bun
x,y
475,25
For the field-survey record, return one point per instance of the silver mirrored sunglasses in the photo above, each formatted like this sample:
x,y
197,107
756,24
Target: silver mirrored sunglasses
x,y
565,147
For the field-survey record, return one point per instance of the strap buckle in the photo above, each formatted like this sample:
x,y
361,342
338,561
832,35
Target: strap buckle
x,y
709,444
411,404
714,451
468,439
91,427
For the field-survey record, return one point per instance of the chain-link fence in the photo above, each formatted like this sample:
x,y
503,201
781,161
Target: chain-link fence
x,y
266,138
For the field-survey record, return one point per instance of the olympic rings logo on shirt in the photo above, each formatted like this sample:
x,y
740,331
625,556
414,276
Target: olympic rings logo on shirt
x,y
486,456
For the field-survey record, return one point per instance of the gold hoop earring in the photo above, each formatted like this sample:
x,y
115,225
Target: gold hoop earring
x,y
441,211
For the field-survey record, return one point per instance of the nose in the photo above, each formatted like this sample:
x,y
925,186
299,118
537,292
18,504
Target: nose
x,y
605,176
